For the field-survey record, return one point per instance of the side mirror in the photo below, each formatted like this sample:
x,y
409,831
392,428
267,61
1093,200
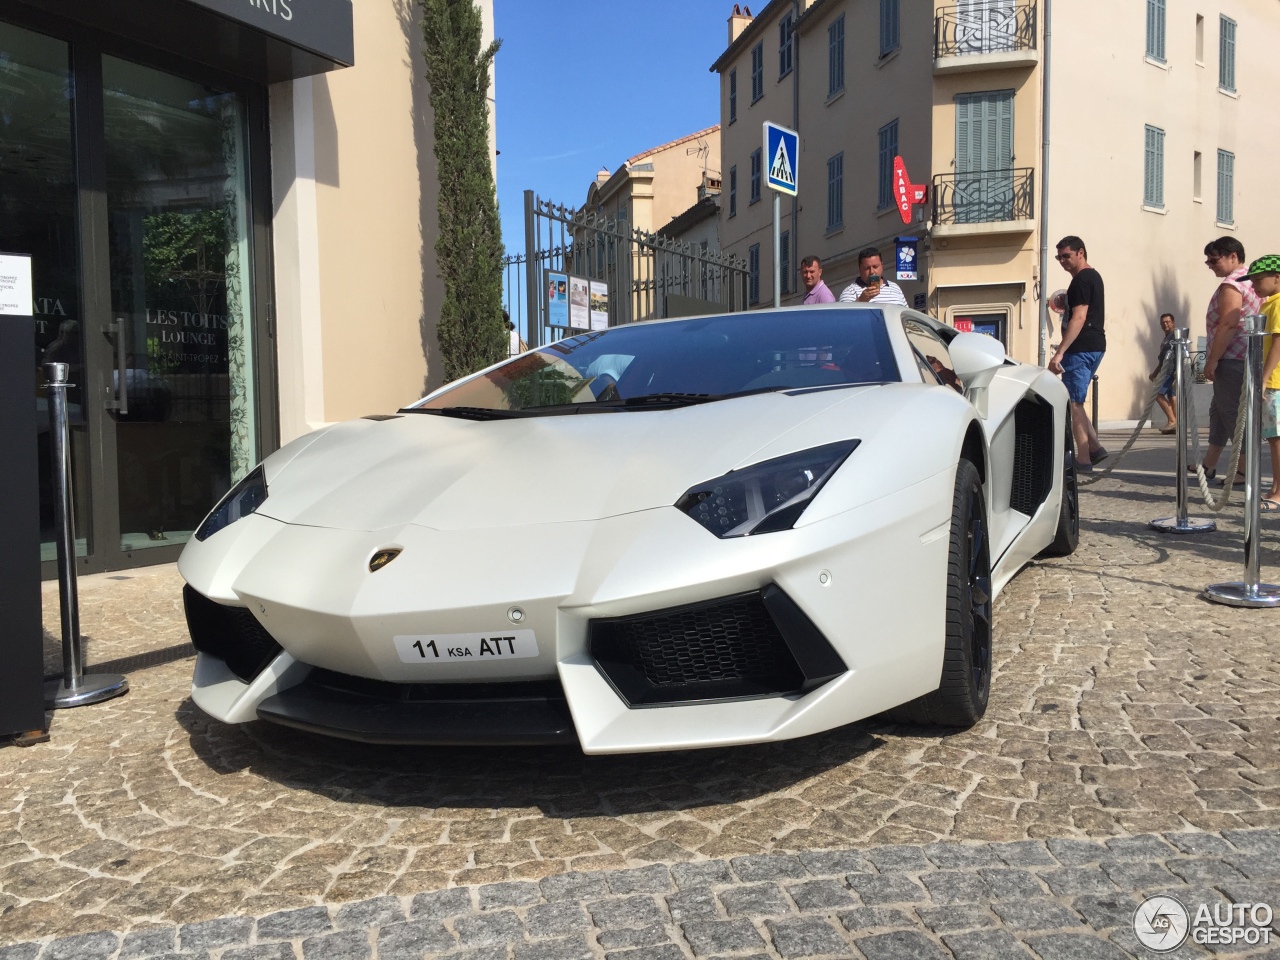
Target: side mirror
x,y
976,357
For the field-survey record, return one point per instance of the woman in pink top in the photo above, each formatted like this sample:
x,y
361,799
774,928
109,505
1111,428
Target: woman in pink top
x,y
1224,364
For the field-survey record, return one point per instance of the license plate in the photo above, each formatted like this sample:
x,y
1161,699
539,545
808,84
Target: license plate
x,y
466,647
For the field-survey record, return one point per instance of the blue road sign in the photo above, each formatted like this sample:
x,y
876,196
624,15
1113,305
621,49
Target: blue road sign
x,y
782,154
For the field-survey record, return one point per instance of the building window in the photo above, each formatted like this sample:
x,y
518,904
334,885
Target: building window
x,y
733,95
785,29
753,273
757,71
1196,164
1155,30
1227,54
756,160
784,256
1199,39
835,56
835,192
888,27
1153,169
733,191
888,150
1226,187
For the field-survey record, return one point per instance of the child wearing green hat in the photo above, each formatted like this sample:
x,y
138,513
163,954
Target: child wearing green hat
x,y
1264,274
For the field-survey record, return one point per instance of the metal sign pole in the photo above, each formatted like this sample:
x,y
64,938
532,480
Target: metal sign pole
x,y
1251,593
75,689
1182,383
777,249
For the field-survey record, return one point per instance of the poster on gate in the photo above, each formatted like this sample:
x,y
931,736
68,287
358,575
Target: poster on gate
x,y
557,299
599,305
579,303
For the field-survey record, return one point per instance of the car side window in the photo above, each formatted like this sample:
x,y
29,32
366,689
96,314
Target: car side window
x,y
935,353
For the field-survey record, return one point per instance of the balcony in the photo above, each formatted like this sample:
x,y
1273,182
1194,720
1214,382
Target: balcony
x,y
984,203
988,35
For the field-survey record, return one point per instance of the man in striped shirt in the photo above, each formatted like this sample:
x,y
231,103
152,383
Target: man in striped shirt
x,y
871,286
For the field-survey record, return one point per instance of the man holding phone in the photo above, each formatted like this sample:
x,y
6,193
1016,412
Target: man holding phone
x,y
871,286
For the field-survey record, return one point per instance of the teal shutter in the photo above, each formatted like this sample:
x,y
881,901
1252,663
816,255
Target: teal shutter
x,y
1226,186
1227,54
1155,29
1153,168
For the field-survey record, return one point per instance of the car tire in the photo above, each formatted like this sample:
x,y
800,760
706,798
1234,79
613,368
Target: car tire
x,y
1068,534
961,697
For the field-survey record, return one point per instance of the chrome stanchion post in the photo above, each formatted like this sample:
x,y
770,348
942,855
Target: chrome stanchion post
x,y
1251,593
74,689
1182,383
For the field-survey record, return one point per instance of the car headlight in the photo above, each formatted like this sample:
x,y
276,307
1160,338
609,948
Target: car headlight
x,y
767,496
241,500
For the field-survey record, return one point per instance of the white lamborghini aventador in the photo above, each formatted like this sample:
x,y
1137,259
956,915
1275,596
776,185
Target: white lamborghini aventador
x,y
684,533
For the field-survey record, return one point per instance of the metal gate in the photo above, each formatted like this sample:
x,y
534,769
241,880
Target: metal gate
x,y
647,277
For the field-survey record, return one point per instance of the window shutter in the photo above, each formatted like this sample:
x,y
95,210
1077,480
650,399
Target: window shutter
x,y
964,134
1153,168
1003,103
1227,54
1155,29
1226,186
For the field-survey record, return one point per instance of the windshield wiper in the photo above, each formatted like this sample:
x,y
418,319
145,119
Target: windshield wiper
x,y
491,413
467,413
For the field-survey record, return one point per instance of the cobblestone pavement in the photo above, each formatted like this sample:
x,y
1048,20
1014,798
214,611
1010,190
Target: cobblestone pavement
x,y
1130,746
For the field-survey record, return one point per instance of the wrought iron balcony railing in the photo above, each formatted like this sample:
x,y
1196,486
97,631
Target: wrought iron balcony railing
x,y
984,26
985,196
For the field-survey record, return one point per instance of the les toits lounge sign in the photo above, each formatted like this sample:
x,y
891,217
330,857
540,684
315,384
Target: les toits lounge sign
x,y
323,27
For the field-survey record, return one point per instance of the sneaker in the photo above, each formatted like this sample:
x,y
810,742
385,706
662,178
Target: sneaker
x,y
1097,456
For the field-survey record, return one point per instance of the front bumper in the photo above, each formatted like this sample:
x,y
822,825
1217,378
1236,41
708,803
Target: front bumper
x,y
311,590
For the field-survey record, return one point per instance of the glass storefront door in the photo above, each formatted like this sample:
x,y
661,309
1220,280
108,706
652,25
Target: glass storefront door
x,y
38,216
130,188
177,217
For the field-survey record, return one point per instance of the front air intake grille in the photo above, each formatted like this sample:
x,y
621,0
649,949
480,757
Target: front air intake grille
x,y
729,648
232,634
1033,455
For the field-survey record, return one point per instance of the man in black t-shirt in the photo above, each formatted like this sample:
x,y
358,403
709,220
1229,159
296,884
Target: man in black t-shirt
x,y
1083,344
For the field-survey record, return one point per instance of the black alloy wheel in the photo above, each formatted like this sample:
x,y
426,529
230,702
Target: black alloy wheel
x,y
965,686
1068,534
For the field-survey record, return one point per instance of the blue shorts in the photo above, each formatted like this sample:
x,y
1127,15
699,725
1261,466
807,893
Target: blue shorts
x,y
1077,371
1166,388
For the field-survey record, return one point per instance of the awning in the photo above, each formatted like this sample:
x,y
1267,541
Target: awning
x,y
263,40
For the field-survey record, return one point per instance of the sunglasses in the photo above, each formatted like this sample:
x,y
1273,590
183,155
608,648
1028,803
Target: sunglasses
x,y
1063,256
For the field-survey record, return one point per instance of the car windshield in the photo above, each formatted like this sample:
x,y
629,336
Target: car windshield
x,y
683,361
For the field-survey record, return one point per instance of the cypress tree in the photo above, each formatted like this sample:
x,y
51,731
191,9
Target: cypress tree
x,y
471,329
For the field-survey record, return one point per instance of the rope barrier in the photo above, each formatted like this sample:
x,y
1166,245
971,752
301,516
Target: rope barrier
x,y
1152,392
1213,504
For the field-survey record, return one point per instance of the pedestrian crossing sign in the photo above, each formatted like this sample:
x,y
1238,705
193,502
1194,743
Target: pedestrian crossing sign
x,y
782,154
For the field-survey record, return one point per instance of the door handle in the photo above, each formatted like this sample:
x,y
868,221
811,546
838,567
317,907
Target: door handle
x,y
118,399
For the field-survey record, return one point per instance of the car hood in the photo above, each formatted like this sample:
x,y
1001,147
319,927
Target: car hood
x,y
448,473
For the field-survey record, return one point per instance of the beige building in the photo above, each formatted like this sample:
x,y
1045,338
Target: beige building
x,y
655,186
231,215
1158,132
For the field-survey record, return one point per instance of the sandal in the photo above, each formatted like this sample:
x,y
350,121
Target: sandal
x,y
1269,506
1172,428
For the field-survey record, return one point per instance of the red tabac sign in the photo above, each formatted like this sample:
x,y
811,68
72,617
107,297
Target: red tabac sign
x,y
906,193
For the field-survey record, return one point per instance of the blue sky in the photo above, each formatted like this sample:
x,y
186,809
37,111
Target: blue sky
x,y
582,84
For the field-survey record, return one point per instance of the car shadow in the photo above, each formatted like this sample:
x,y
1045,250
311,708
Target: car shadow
x,y
560,781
